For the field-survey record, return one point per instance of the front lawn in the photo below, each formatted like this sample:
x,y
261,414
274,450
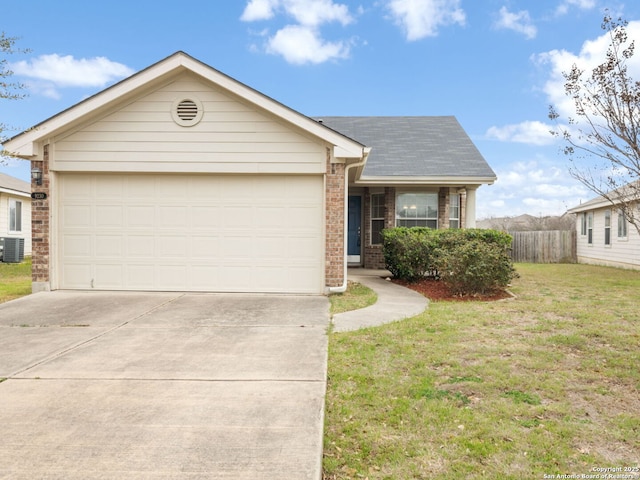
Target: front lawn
x,y
546,384
15,280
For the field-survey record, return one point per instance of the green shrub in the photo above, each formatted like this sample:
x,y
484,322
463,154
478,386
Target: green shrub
x,y
469,261
409,252
477,266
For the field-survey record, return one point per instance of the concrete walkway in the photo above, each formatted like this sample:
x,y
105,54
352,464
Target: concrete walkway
x,y
394,302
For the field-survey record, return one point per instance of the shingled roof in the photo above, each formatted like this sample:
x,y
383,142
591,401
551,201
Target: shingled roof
x,y
414,146
14,185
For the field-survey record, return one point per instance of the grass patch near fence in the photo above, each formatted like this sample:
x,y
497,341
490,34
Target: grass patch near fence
x,y
545,384
15,280
356,296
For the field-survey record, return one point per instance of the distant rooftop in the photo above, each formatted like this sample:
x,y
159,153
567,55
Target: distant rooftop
x,y
413,146
14,184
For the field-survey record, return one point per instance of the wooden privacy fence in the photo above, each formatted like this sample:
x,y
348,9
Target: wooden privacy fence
x,y
552,246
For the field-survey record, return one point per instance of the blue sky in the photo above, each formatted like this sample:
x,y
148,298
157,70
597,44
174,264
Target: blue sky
x,y
494,64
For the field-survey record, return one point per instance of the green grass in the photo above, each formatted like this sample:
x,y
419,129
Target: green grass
x,y
357,296
15,280
547,383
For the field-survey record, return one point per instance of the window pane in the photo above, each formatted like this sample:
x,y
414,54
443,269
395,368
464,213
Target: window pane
x,y
15,215
418,207
377,205
376,228
622,225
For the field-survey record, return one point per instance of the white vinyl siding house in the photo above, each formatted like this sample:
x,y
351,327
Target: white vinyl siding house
x,y
15,210
604,236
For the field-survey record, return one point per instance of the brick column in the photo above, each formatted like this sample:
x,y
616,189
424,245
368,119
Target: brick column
x,y
334,262
463,209
40,227
443,208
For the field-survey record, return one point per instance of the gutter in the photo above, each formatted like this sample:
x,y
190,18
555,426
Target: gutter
x,y
365,154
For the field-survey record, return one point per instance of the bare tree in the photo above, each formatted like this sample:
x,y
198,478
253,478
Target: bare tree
x,y
607,124
9,90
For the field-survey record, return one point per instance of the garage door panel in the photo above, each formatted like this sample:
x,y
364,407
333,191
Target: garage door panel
x,y
139,277
108,276
139,217
109,216
77,275
77,216
109,246
109,187
140,246
203,233
207,217
205,247
77,246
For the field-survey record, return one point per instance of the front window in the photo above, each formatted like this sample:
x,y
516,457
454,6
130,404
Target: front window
x,y
417,210
590,228
622,225
454,211
15,215
583,223
377,218
607,227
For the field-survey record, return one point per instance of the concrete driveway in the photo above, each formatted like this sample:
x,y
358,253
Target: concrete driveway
x,y
162,385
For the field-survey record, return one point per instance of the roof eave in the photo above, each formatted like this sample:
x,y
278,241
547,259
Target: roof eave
x,y
17,193
424,180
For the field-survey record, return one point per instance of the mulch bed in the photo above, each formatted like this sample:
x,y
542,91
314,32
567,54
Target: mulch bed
x,y
437,291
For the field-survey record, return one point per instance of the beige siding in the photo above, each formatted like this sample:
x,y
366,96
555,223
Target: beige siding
x,y
26,220
232,137
623,252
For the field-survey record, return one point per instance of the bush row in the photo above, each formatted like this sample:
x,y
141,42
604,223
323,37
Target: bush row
x,y
469,261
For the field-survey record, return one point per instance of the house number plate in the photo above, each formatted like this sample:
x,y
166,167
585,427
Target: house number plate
x,y
39,195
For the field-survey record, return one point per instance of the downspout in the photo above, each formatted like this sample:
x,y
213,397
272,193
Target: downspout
x,y
365,153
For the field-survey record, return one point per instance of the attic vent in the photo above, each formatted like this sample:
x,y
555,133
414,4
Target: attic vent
x,y
187,111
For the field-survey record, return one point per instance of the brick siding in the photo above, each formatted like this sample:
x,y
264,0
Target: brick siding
x,y
334,266
40,223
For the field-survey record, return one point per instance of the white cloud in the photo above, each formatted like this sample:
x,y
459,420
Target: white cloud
x,y
537,187
310,13
300,45
67,71
259,10
422,18
302,42
519,22
564,6
529,132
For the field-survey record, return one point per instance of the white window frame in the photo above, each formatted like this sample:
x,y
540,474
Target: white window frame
x,y
377,215
590,228
15,215
583,224
622,226
410,207
607,228
454,211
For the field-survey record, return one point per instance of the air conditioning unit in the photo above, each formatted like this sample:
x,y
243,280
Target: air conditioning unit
x,y
13,250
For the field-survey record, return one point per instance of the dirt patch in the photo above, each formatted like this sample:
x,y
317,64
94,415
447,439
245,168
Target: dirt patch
x,y
436,290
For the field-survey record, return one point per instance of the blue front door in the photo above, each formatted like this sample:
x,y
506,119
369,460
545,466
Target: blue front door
x,y
354,228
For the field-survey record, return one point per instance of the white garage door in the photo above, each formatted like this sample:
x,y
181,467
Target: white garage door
x,y
191,233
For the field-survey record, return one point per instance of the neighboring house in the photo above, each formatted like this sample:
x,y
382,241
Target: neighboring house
x,y
15,210
605,237
182,178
